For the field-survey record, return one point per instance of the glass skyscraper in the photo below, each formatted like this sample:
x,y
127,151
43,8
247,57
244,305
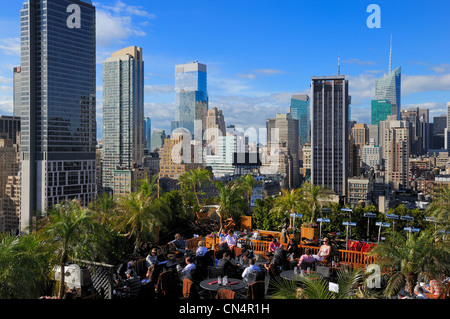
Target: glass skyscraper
x,y
148,133
123,112
57,105
191,96
389,87
300,111
380,109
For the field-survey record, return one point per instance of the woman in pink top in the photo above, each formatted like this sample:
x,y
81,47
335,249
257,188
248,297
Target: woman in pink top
x,y
435,287
306,258
274,244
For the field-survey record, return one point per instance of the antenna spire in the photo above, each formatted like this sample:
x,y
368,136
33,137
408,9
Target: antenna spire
x,y
390,56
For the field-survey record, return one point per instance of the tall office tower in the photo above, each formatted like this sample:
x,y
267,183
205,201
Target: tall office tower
x,y
300,111
191,96
396,151
17,72
371,156
360,133
418,120
9,176
123,110
288,147
438,132
10,128
329,132
148,133
215,127
380,110
447,130
373,133
58,104
388,87
221,162
158,139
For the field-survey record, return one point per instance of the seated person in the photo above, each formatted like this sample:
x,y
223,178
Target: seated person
x,y
246,255
179,243
324,251
293,250
201,250
188,270
434,287
274,244
152,275
172,252
222,236
126,266
419,292
280,258
231,239
152,258
252,268
306,260
229,268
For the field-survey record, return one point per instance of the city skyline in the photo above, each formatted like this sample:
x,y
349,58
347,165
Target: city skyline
x,y
256,66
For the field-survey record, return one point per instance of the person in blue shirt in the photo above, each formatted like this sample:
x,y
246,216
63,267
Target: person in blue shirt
x,y
252,268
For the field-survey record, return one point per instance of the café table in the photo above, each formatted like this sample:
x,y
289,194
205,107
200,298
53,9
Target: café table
x,y
290,275
212,285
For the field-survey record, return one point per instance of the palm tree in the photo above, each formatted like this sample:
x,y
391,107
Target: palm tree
x,y
289,202
230,201
193,180
23,267
439,208
248,182
67,229
314,287
102,208
140,213
411,257
313,194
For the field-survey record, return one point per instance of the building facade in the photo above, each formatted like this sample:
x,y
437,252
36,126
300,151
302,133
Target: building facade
x,y
300,110
329,132
57,105
123,109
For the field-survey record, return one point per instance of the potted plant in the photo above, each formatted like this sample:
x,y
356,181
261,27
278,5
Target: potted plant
x,y
294,233
310,230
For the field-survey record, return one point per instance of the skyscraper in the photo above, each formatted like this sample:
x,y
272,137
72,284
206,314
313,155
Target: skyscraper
x,y
148,133
287,145
329,132
123,109
380,109
447,130
215,127
191,96
300,111
58,104
158,138
388,87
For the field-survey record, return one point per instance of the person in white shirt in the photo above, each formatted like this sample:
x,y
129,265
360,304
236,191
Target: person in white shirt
x,y
231,239
187,270
252,268
152,258
201,250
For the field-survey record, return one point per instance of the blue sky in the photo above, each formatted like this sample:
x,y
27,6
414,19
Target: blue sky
x,y
259,53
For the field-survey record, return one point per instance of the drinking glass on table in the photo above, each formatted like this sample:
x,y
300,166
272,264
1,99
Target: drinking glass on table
x,y
225,280
219,280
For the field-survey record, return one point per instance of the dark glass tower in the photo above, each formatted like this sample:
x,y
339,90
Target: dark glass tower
x,y
57,103
329,132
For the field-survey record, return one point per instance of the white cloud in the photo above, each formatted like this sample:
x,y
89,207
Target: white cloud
x,y
424,83
159,88
10,46
116,23
263,72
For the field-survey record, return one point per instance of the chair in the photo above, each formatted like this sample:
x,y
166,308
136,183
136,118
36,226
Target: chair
x,y
166,286
305,265
225,294
251,278
256,290
214,272
189,289
134,284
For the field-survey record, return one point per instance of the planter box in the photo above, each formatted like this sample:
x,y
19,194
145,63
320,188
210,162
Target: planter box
x,y
209,241
310,233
